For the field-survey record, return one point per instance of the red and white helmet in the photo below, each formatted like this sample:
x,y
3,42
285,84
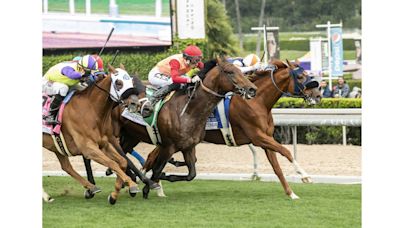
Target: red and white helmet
x,y
99,61
192,53
251,60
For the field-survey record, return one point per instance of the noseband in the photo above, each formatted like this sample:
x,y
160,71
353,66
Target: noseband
x,y
298,87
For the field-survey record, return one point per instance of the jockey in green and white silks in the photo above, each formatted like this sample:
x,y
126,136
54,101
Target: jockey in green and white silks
x,y
60,77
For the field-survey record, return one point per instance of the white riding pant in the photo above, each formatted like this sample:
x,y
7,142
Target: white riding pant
x,y
158,79
53,88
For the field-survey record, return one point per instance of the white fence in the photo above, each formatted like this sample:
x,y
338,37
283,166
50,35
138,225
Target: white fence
x,y
312,117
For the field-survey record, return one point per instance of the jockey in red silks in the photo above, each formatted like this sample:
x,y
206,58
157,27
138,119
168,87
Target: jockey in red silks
x,y
170,72
61,77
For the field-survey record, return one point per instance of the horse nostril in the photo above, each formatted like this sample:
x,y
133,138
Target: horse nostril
x,y
252,92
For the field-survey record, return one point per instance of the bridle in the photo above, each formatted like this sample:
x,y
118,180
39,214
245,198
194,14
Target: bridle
x,y
118,100
298,87
229,75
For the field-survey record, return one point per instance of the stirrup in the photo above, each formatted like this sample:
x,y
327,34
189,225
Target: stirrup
x,y
49,120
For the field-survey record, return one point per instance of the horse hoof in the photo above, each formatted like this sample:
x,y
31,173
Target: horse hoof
x,y
294,196
146,190
132,194
88,194
49,200
306,180
109,172
111,200
134,189
155,186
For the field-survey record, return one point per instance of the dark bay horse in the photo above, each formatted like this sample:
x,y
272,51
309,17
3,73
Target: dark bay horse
x,y
183,133
252,120
87,129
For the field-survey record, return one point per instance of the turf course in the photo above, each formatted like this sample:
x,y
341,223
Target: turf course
x,y
204,204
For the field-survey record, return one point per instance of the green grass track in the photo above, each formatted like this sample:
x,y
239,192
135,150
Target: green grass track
x,y
204,204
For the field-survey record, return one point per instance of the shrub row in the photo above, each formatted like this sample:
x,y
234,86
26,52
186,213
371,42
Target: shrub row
x,y
288,102
139,63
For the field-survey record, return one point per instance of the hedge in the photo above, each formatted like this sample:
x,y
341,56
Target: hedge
x,y
289,102
138,63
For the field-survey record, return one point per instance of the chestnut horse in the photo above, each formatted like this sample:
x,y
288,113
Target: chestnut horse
x,y
252,121
87,129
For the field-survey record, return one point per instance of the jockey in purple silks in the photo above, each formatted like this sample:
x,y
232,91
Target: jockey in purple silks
x,y
61,77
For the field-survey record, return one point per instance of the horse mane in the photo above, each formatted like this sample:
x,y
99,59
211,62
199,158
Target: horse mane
x,y
139,84
207,67
260,74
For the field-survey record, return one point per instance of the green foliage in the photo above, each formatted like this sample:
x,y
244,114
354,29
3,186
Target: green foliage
x,y
139,63
288,102
202,203
250,43
297,15
220,37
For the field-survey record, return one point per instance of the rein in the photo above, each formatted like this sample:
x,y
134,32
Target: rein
x,y
208,90
293,74
107,92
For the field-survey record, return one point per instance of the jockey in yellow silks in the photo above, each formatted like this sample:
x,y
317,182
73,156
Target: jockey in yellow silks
x,y
60,77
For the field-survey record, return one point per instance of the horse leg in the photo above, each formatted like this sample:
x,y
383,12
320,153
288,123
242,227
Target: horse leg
x,y
159,158
190,161
92,152
67,167
268,142
277,169
114,155
135,171
89,171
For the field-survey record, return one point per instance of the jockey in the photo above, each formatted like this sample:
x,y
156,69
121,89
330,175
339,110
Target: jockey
x,y
249,63
60,77
170,72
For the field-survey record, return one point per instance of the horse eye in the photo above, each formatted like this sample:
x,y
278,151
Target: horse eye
x,y
119,84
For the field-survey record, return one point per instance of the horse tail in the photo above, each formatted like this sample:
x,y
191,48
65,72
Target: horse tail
x,y
151,159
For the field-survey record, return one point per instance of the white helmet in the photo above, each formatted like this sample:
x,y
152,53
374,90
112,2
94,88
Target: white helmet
x,y
251,60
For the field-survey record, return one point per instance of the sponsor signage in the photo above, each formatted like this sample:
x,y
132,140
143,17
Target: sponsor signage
x,y
190,15
337,51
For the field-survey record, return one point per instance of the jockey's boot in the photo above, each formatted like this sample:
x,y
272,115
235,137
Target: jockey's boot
x,y
54,106
161,93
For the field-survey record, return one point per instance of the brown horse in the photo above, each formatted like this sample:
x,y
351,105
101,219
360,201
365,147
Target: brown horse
x,y
87,129
183,133
252,121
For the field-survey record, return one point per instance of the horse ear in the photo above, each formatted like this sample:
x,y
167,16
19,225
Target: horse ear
x,y
219,60
289,64
111,69
122,66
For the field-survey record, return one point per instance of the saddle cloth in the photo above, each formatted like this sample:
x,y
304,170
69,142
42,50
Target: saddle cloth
x,y
218,120
150,122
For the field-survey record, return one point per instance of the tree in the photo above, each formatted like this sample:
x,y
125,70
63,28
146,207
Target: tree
x,y
239,26
220,37
260,23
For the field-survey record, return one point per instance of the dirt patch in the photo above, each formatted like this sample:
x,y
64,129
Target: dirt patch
x,y
211,158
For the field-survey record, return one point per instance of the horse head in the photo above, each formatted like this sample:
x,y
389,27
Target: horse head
x,y
232,78
123,89
300,84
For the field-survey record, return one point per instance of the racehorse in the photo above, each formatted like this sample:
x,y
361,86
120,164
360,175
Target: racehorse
x,y
252,121
184,132
87,129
